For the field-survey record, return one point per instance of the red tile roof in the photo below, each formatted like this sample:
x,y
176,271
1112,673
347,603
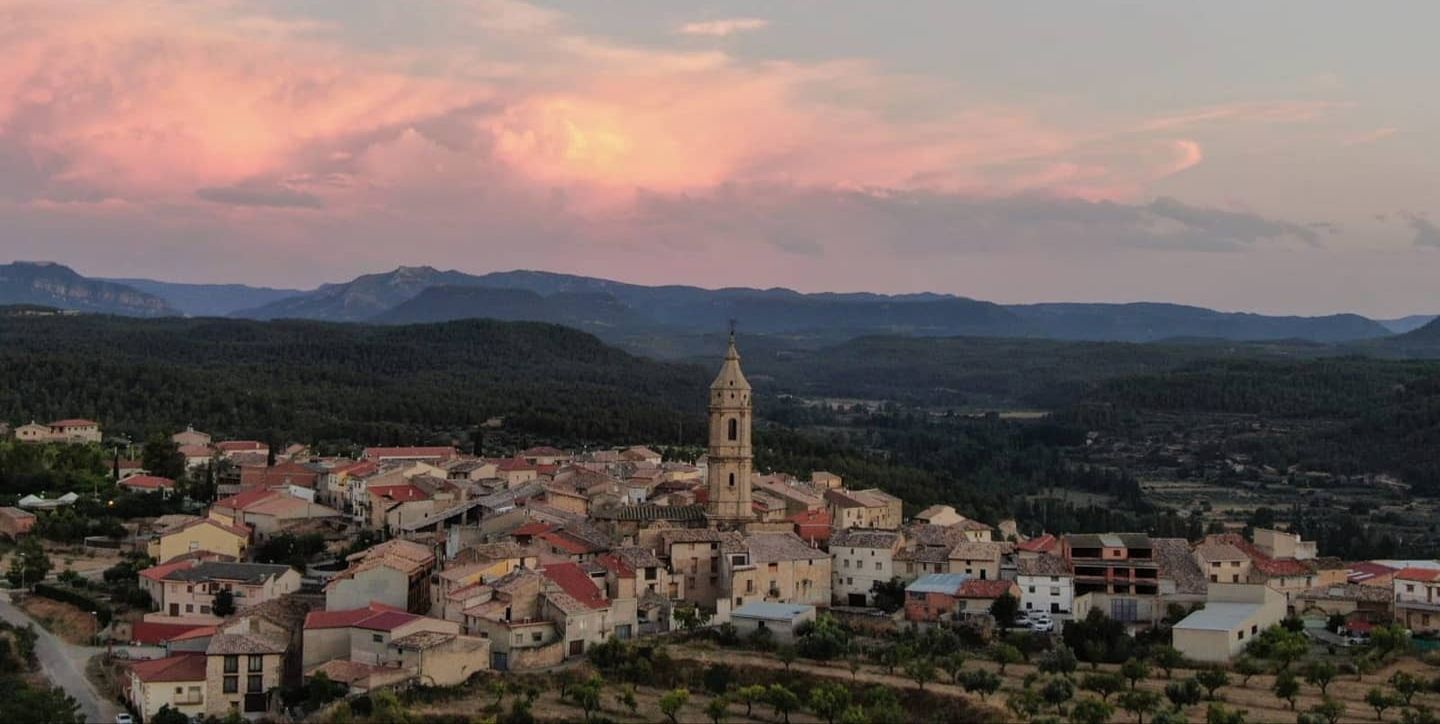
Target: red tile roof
x,y
812,525
244,499
508,465
195,633
976,588
544,451
387,621
1418,574
349,617
615,565
575,582
148,482
534,527
157,573
1366,570
379,453
185,667
1038,544
567,543
402,492
241,446
151,634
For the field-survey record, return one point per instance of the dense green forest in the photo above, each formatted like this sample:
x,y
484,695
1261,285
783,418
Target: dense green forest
x,y
1367,415
977,372
311,381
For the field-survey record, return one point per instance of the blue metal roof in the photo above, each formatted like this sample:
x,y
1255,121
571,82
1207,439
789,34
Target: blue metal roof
x,y
938,583
772,611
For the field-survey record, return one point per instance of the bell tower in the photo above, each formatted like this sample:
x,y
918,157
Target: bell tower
x,y
730,456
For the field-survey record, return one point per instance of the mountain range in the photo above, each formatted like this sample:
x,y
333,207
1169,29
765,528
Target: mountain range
x,y
618,311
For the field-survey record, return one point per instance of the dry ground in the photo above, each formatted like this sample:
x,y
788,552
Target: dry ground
x,y
62,619
549,708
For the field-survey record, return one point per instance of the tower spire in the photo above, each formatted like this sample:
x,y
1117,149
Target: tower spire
x,y
730,456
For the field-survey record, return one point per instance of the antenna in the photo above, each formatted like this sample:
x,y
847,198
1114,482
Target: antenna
x,y
732,329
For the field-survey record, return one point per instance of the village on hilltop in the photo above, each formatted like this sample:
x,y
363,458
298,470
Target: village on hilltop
x,y
437,565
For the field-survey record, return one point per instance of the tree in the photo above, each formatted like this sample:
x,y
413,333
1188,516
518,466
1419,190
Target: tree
x,y
1060,661
691,617
29,564
920,671
1056,692
1365,664
1418,715
672,702
1286,688
787,655
1329,710
161,456
1004,655
854,664
889,595
587,695
1167,658
980,681
1246,667
782,700
167,715
1407,685
1380,700
1134,670
854,715
1004,610
953,665
829,701
718,708
1320,673
1091,711
883,706
223,604
1219,714
1139,702
1169,716
1212,678
1391,639
626,698
1184,693
749,695
823,640
1288,648
497,688
1024,703
386,708
1105,684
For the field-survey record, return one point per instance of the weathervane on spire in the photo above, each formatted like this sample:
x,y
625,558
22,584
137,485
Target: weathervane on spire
x,y
732,329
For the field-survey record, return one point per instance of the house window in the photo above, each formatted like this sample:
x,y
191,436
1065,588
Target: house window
x,y
232,664
377,638
1054,590
256,663
204,609
1032,589
189,608
734,432
254,684
537,636
231,685
732,480
877,565
1254,629
1240,634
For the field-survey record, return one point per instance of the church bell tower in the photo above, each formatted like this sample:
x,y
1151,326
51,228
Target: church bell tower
x,y
730,456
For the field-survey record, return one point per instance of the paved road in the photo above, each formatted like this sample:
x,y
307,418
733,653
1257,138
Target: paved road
x,y
64,665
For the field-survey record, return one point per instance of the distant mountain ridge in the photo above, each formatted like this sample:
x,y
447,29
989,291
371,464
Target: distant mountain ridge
x,y
208,300
1151,321
55,285
608,308
618,311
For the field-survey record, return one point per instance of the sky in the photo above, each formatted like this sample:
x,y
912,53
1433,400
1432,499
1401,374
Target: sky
x,y
1276,157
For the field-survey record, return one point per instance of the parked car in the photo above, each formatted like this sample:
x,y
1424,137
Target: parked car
x,y
124,718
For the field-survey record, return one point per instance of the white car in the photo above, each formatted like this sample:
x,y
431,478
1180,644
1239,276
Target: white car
x,y
1042,625
124,718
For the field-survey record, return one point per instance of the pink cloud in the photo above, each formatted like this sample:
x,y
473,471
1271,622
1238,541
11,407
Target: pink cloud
x,y
723,28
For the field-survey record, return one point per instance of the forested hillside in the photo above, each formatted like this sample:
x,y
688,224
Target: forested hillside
x,y
1364,415
315,381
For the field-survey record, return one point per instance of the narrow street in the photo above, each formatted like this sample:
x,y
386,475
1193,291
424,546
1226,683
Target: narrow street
x,y
64,665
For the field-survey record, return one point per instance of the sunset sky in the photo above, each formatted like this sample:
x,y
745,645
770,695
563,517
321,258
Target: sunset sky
x,y
1278,156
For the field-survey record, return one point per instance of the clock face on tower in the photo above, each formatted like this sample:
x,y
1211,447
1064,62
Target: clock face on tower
x,y
730,458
